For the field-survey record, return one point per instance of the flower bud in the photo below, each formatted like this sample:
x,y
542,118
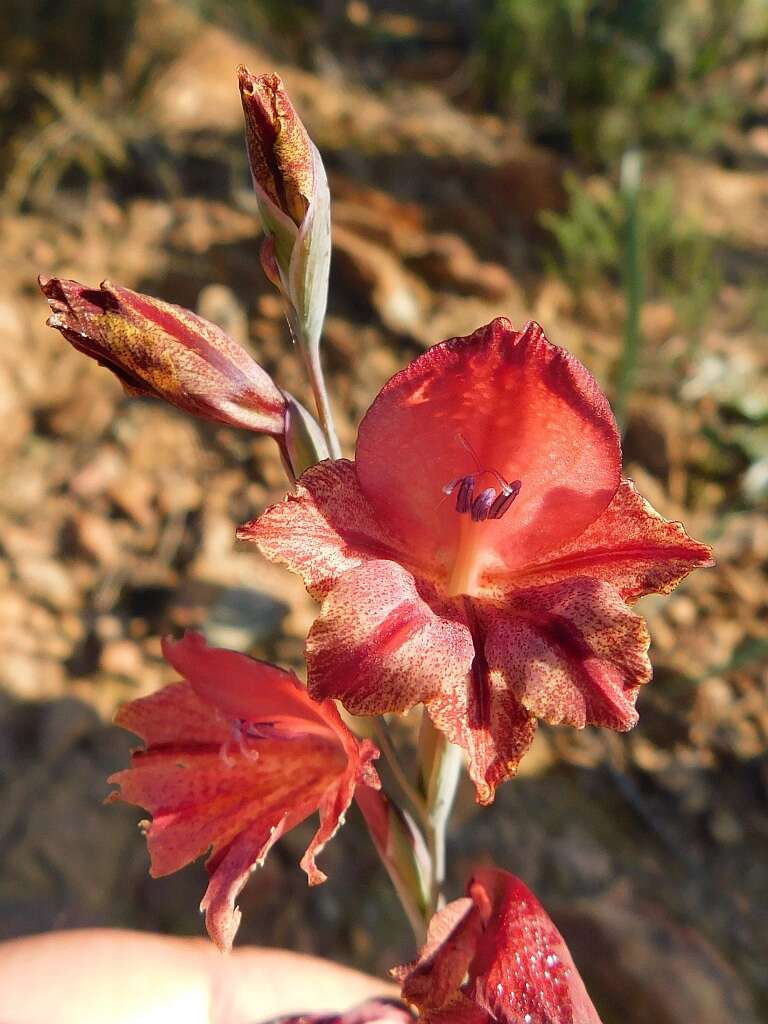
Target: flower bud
x,y
280,152
156,348
294,204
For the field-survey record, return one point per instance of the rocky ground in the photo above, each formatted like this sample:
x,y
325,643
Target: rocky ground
x,y
117,516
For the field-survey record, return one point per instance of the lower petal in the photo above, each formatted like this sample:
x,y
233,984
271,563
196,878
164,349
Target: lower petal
x,y
484,717
572,653
231,869
378,646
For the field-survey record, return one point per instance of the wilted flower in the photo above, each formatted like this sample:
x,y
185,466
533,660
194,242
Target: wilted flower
x,y
156,348
480,553
294,203
236,754
496,957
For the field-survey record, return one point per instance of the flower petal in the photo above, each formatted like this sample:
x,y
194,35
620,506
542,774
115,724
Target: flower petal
x,y
173,714
433,979
242,687
200,799
321,530
496,957
486,718
230,871
522,968
630,546
378,646
572,652
529,410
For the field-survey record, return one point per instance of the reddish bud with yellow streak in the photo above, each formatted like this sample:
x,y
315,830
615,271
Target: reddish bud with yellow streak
x,y
159,349
294,204
279,149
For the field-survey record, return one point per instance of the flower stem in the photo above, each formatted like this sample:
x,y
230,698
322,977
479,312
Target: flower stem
x,y
387,747
314,368
441,763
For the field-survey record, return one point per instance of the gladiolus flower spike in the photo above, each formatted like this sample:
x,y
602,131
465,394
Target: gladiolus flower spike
x,y
481,552
236,754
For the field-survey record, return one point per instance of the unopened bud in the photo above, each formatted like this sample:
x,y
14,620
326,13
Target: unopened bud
x,y
294,203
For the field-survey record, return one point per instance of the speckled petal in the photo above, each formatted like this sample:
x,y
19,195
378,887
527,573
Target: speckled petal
x,y
378,646
522,968
325,528
486,718
496,957
630,546
572,653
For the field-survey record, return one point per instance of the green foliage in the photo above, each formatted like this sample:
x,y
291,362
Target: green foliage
x,y
599,76
677,258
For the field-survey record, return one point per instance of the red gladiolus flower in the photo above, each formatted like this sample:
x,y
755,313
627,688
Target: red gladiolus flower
x,y
480,553
496,957
235,755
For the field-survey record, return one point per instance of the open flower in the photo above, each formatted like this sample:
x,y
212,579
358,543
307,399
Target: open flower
x,y
496,957
236,755
480,553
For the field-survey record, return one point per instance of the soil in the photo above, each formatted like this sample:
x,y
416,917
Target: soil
x,y
117,526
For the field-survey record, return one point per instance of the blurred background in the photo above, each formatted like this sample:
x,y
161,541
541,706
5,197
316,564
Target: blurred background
x,y
599,165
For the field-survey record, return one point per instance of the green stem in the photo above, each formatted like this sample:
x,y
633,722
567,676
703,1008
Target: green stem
x,y
387,747
440,768
314,368
631,177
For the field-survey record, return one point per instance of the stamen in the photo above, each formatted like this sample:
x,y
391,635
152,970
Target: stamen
x,y
504,499
482,504
464,497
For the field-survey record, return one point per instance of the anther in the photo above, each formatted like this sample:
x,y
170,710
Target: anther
x,y
482,504
464,496
504,499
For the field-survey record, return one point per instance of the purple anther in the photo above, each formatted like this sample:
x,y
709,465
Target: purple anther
x,y
451,487
482,504
504,500
464,495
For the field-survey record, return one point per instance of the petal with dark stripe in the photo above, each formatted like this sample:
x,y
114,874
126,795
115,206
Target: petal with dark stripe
x,y
379,647
572,653
630,546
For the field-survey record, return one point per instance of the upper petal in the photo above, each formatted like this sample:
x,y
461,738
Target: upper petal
x,y
529,410
323,529
242,687
378,646
630,546
571,652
